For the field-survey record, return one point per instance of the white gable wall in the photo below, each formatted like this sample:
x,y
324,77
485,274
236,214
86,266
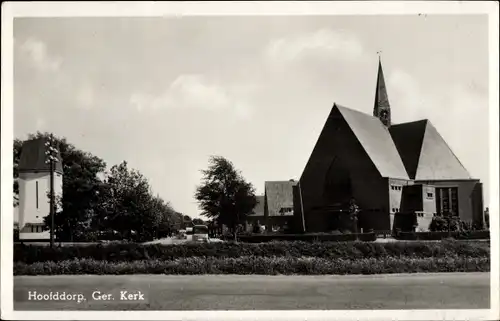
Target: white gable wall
x,y
32,211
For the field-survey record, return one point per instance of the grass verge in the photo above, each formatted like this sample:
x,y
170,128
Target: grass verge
x,y
257,265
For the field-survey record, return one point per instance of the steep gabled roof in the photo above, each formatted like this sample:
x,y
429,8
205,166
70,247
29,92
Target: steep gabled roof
x,y
376,141
279,195
408,138
259,206
32,158
437,161
425,153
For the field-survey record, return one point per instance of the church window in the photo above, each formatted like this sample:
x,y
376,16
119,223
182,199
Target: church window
x,y
447,200
36,194
285,210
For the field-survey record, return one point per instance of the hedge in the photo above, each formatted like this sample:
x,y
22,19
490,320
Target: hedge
x,y
257,265
459,235
312,237
332,250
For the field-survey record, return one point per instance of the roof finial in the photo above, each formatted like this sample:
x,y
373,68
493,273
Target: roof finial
x,y
379,53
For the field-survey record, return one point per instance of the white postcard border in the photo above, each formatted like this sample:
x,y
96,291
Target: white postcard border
x,y
156,9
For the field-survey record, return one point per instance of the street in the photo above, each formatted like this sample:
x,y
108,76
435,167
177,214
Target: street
x,y
255,292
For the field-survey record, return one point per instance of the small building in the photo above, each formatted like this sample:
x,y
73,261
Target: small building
x,y
274,209
34,189
257,216
278,205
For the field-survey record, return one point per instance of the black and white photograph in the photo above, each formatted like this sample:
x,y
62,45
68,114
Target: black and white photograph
x,y
247,160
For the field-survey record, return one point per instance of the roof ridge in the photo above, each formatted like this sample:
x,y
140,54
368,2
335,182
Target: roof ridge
x,y
410,122
445,145
370,154
451,150
421,147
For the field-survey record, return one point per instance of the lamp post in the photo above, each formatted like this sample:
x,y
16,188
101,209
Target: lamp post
x,y
51,159
303,221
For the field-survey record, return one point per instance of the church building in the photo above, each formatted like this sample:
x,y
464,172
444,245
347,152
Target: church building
x,y
34,189
400,175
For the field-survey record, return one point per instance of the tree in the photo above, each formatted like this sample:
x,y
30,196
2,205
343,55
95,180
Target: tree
x,y
81,185
224,194
17,156
177,221
168,222
353,214
129,207
198,221
123,201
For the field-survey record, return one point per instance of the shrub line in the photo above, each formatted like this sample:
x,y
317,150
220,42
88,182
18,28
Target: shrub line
x,y
328,250
257,265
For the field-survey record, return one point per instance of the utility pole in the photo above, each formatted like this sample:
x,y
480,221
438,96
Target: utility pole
x,y
301,207
51,159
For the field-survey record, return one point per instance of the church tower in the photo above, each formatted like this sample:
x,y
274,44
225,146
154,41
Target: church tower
x,y
382,109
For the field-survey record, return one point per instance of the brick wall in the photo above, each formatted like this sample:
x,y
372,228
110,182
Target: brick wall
x,y
338,151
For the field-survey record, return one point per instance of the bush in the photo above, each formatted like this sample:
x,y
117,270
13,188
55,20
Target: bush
x,y
257,265
126,252
257,228
310,237
440,224
459,235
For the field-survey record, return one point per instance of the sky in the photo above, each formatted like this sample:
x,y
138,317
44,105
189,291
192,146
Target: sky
x,y
165,94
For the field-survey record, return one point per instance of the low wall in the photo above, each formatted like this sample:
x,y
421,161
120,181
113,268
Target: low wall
x,y
472,235
261,238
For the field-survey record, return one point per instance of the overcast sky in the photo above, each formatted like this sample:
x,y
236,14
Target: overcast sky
x,y
166,93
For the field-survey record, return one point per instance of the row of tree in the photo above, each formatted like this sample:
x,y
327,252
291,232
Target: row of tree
x,y
119,202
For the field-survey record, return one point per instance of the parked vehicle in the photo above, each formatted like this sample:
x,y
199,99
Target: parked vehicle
x,y
200,233
181,235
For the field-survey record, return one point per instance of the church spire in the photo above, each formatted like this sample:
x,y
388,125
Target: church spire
x,y
382,109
